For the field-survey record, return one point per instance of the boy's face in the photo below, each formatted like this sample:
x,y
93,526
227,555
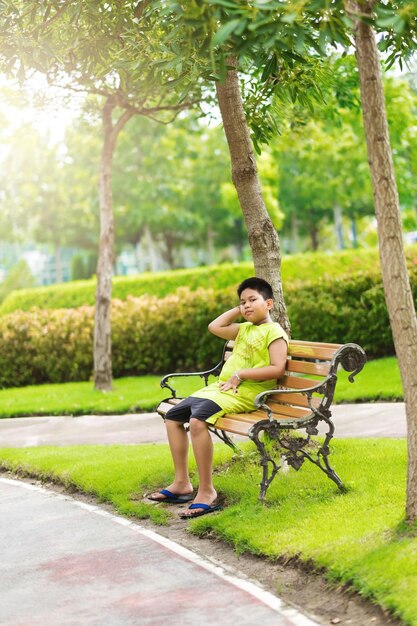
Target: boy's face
x,y
254,307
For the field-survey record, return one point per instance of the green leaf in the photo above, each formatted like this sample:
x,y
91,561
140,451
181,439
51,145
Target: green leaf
x,y
270,68
224,32
399,24
386,22
289,18
256,145
292,55
223,3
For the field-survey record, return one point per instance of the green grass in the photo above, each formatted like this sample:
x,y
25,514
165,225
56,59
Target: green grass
x,y
358,538
129,395
380,380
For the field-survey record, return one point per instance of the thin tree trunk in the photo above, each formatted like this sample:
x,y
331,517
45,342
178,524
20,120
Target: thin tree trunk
x,y
58,264
137,250
169,244
102,328
415,209
393,265
263,238
338,226
354,231
151,249
210,245
314,236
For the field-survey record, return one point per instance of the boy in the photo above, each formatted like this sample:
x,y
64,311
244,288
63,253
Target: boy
x,y
258,359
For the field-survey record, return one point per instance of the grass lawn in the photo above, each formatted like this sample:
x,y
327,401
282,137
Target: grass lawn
x,y
380,380
358,538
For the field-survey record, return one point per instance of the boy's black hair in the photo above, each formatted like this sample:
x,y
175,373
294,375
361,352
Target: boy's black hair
x,y
258,284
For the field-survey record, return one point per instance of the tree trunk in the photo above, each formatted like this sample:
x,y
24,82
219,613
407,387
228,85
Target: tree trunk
x,y
314,236
354,231
210,245
393,265
263,238
338,226
169,246
58,264
151,249
102,329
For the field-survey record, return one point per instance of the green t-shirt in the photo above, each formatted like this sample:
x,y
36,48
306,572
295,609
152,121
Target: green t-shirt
x,y
250,350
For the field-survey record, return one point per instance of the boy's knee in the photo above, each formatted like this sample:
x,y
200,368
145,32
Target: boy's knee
x,y
197,426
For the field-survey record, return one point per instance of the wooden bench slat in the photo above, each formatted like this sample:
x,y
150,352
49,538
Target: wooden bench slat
x,y
295,382
301,342
236,426
306,349
164,407
311,351
290,411
234,423
254,416
307,367
295,399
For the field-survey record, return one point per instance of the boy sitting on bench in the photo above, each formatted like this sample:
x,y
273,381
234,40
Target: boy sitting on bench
x,y
258,360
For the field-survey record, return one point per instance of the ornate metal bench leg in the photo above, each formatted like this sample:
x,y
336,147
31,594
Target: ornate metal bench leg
x,y
322,460
225,438
328,470
268,474
267,477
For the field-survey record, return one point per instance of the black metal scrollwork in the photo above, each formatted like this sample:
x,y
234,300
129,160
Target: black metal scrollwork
x,y
352,358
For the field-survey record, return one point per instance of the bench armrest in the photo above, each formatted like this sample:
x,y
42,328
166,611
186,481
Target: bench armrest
x,y
215,371
319,388
351,357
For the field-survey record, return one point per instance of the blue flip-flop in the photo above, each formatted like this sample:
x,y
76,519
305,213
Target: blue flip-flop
x,y
172,498
207,508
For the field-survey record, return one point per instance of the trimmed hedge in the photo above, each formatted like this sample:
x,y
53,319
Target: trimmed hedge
x,y
148,336
299,267
155,336
160,284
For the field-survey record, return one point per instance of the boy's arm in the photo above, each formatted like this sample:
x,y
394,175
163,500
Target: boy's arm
x,y
277,360
224,326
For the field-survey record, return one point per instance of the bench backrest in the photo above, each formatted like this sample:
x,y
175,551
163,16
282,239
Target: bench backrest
x,y
305,359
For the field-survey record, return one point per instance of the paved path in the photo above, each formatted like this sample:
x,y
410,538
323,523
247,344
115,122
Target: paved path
x,y
66,563
381,419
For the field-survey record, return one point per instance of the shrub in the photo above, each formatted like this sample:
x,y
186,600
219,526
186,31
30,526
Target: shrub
x,y
154,336
46,346
78,293
298,267
347,309
148,335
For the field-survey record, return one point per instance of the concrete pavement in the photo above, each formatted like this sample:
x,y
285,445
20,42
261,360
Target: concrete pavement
x,y
380,419
66,563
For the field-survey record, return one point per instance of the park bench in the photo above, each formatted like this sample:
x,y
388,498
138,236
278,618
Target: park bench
x,y
298,403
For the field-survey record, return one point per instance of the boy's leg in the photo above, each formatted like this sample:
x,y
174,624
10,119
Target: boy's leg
x,y
179,445
203,453
202,447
